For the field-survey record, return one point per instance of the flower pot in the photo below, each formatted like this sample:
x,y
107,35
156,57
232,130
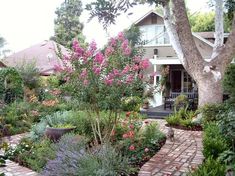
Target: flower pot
x,y
56,133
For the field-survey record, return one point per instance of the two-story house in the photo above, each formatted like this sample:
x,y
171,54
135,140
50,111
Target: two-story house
x,y
160,52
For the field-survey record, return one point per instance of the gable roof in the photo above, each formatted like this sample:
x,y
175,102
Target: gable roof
x,y
43,54
193,33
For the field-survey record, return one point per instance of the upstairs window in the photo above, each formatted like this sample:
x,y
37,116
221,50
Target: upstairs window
x,y
154,35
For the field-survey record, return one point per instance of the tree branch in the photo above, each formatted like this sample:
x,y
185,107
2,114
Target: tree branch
x,y
188,46
227,53
219,28
174,38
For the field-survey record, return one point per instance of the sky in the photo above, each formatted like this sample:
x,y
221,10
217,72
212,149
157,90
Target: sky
x,y
24,23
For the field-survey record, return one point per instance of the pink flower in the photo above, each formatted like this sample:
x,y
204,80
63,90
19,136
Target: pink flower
x,y
132,126
137,59
136,67
121,36
78,50
85,82
131,134
146,150
109,50
127,51
124,44
132,148
99,58
126,69
58,68
83,73
124,136
113,42
153,74
96,70
93,46
108,82
144,64
116,72
129,79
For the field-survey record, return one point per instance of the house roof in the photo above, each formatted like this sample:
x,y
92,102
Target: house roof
x,y
2,64
203,36
43,54
209,35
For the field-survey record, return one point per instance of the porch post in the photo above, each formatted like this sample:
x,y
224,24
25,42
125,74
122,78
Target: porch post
x,y
155,76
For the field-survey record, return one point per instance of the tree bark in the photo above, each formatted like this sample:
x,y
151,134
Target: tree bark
x,y
209,91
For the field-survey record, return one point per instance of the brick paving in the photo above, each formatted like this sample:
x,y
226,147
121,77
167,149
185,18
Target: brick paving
x,y
12,168
178,157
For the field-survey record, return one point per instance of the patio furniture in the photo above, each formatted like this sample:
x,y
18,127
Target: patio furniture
x,y
169,101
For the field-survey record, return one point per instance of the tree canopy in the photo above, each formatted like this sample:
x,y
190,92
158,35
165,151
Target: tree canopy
x,y
67,23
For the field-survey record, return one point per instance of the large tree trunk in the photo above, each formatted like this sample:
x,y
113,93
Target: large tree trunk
x,y
210,91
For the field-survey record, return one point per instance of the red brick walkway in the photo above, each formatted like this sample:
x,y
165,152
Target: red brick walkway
x,y
178,157
12,168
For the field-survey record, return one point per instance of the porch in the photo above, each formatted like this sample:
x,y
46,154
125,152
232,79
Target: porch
x,y
157,112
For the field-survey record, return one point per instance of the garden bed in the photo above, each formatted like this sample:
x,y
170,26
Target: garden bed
x,y
193,128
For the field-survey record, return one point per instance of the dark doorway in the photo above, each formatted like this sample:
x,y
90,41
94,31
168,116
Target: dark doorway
x,y
176,81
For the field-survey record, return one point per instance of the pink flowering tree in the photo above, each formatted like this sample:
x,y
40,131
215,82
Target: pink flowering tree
x,y
100,79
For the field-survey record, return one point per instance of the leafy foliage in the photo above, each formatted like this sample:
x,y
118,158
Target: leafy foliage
x,y
30,75
229,82
11,85
210,167
214,142
67,23
73,159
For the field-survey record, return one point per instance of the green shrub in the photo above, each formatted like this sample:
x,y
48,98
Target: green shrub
x,y
11,85
229,82
227,125
30,75
210,111
181,101
131,103
210,167
214,142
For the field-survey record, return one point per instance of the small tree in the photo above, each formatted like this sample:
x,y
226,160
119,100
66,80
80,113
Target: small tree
x,y
100,79
67,23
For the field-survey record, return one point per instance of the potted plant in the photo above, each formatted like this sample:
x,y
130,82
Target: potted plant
x,y
57,131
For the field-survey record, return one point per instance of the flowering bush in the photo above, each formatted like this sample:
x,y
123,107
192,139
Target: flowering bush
x,y
136,142
100,79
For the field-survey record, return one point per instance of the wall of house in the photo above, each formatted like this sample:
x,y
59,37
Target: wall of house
x,y
163,51
203,48
151,19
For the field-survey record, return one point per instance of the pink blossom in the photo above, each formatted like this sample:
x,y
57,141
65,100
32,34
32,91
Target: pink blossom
x,y
96,70
58,68
132,147
140,76
153,74
137,59
108,82
66,58
113,42
144,64
116,72
93,46
85,82
78,50
126,69
88,54
109,50
136,67
127,51
83,73
129,79
131,126
124,44
99,58
146,150
121,36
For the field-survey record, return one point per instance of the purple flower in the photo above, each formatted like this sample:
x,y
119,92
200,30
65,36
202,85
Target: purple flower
x,y
113,42
93,46
127,51
109,50
121,36
124,44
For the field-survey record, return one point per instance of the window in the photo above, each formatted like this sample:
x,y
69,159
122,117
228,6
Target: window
x,y
154,35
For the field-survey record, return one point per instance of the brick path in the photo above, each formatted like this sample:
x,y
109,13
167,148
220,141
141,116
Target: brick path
x,y
12,168
175,158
